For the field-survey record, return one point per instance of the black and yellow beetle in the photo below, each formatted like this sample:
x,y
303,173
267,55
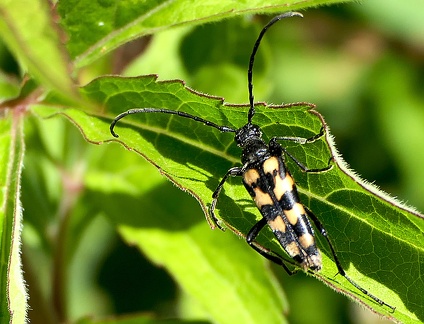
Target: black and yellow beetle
x,y
269,182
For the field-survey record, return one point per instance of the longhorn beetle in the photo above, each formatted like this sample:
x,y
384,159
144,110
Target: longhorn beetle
x,y
269,182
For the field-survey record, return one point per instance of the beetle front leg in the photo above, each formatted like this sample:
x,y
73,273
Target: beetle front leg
x,y
277,149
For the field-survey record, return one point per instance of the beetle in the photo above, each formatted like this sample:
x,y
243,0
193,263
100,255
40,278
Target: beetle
x,y
268,181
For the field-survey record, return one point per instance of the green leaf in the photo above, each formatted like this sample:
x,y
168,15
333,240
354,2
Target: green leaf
x,y
26,26
213,271
97,27
379,241
13,297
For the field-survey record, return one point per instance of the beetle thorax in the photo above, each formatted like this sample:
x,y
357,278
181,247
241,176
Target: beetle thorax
x,y
248,133
249,137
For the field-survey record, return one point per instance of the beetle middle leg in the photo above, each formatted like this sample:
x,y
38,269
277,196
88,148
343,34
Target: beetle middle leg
x,y
233,172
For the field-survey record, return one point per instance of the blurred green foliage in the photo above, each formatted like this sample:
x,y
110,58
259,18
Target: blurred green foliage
x,y
362,64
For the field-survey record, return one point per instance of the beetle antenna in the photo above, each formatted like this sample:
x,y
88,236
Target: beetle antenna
x,y
252,58
167,111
